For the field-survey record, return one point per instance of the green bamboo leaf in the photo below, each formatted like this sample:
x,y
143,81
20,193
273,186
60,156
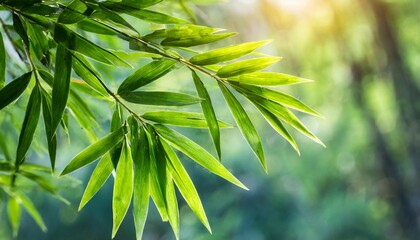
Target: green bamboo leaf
x,y
88,73
185,185
246,66
180,31
172,203
75,12
244,123
268,79
287,116
51,137
159,98
123,188
13,90
278,126
30,122
14,213
157,175
195,40
99,176
196,153
92,26
30,208
154,17
19,27
208,111
2,63
83,115
5,166
226,53
61,85
95,151
140,4
141,160
146,74
182,119
277,97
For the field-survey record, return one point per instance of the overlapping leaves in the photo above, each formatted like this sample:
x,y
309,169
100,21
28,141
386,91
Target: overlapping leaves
x,y
141,150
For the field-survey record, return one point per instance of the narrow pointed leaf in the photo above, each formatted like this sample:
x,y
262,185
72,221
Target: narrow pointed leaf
x,y
278,126
19,27
195,40
99,176
246,66
76,11
226,53
14,213
13,90
30,208
208,111
182,119
185,185
159,98
141,183
95,151
123,188
2,63
61,85
146,74
154,17
51,137
197,153
268,79
29,125
172,203
244,123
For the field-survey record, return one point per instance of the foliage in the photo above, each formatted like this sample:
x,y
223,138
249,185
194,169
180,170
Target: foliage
x,y
50,50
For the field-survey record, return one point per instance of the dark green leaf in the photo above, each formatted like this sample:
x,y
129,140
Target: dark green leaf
x,y
195,40
20,29
89,25
95,151
159,98
99,176
5,166
185,185
51,137
182,119
197,153
14,89
61,85
29,125
2,63
146,75
268,79
123,188
226,53
246,66
140,4
75,12
244,123
208,112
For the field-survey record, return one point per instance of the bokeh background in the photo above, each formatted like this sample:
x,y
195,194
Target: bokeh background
x,y
364,58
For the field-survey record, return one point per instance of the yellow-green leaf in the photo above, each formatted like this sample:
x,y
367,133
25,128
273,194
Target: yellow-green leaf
x,y
2,63
268,79
159,98
14,213
246,66
182,119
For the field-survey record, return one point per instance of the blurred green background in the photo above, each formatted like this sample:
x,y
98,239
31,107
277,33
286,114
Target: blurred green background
x,y
364,58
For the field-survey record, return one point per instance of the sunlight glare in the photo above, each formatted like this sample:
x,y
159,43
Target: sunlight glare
x,y
292,5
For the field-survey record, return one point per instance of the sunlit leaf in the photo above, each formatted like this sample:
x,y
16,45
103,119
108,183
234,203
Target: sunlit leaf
x,y
146,75
226,53
13,90
159,98
97,179
244,123
95,151
195,40
196,153
172,203
182,119
208,111
123,188
268,79
29,125
14,213
2,63
152,16
30,208
246,66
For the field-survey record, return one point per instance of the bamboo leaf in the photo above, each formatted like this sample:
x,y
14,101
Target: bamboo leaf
x,y
123,188
75,12
14,213
195,40
172,203
185,185
2,63
29,125
154,17
226,53
278,126
95,151
61,85
146,74
196,153
244,123
92,26
140,4
99,176
159,98
268,79
30,208
51,137
182,119
141,160
246,66
13,90
208,111
19,27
